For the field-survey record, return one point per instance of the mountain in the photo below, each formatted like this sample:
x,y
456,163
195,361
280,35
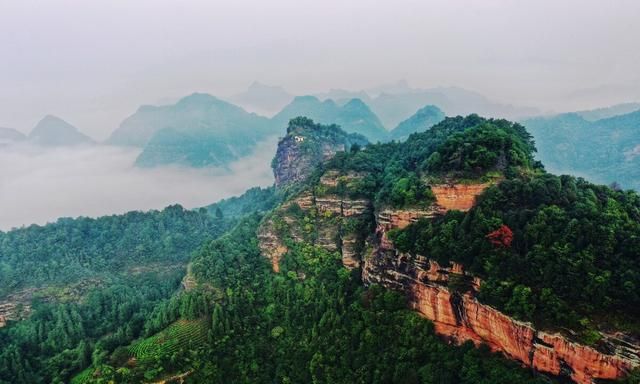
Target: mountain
x,y
393,108
10,136
353,117
604,151
422,120
614,110
54,132
480,240
199,130
308,144
450,257
263,99
396,102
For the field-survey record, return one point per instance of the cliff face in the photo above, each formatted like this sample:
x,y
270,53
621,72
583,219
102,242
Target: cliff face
x,y
295,159
305,146
325,215
457,196
321,217
458,316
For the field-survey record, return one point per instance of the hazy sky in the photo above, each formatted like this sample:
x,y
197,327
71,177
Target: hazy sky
x,y
93,62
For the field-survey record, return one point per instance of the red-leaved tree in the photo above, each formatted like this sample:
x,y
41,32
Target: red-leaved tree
x,y
501,237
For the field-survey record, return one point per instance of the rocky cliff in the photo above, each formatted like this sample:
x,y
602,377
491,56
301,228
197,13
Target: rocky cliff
x,y
446,296
305,146
319,216
327,213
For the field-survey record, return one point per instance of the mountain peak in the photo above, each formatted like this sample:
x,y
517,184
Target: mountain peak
x,y
54,131
198,98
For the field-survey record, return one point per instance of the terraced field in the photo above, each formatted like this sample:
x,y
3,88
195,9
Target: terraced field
x,y
181,334
82,377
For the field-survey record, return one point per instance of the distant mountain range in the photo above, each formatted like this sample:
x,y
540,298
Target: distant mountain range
x,y
199,130
395,102
51,131
392,103
605,150
9,136
263,99
422,120
353,116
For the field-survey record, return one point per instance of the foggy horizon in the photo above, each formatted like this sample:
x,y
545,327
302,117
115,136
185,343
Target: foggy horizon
x,y
94,64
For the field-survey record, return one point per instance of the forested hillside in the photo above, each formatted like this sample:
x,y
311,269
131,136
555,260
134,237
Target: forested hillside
x,y
327,279
85,286
605,150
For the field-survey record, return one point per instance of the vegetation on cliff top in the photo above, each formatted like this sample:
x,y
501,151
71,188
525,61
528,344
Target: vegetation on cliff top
x,y
472,147
573,261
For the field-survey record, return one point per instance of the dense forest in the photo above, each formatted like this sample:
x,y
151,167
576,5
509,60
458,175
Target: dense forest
x,y
74,249
558,251
573,260
313,322
92,284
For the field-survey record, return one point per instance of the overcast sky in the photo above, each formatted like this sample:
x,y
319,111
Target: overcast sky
x,y
93,62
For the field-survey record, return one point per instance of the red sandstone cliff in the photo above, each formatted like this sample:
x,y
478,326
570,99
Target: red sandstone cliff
x,y
460,317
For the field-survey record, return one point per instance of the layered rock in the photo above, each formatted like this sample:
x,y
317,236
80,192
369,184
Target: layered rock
x,y
461,197
458,316
294,163
305,146
329,214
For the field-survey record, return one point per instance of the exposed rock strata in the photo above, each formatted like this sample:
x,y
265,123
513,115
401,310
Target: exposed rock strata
x,y
460,317
329,214
456,313
457,196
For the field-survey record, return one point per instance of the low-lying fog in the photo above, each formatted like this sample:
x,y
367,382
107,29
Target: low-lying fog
x,y
40,185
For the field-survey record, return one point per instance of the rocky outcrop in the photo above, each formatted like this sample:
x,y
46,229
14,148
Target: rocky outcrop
x,y
330,216
461,197
16,306
461,317
295,161
305,146
446,296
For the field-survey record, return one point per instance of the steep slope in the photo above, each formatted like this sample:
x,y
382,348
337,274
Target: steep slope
x,y
420,121
306,145
604,151
54,132
433,218
199,130
353,117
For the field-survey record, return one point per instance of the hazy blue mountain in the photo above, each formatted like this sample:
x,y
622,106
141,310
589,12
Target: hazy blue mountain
x,y
453,101
614,110
263,99
420,121
10,136
199,130
353,117
396,102
53,131
604,151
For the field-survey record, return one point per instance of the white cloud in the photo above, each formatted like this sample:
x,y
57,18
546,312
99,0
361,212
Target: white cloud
x,y
39,185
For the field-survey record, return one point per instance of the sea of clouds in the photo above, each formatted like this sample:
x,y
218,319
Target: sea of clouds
x,y
39,185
